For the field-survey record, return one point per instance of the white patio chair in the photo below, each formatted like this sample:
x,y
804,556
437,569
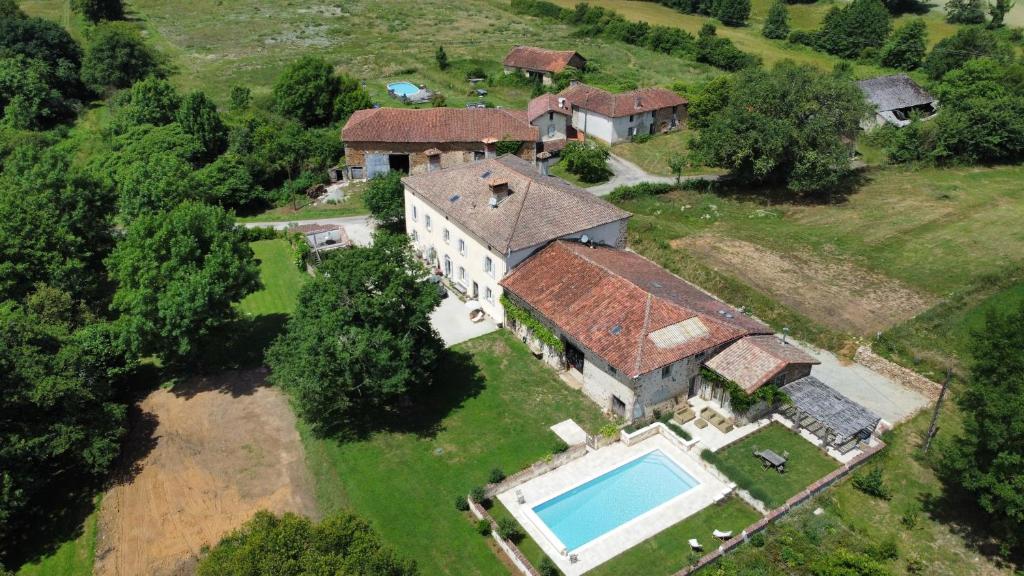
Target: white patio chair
x,y
694,545
722,535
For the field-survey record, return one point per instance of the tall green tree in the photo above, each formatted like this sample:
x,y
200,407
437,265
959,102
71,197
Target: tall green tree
x,y
61,425
776,25
31,94
789,126
198,116
227,182
967,44
56,224
178,276
97,10
153,101
116,56
987,458
732,12
290,545
906,48
309,91
998,10
850,30
360,338
385,198
708,101
965,11
10,9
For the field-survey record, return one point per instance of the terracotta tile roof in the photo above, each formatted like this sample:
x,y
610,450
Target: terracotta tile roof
x,y
617,105
545,103
538,208
894,92
430,125
539,59
628,310
752,361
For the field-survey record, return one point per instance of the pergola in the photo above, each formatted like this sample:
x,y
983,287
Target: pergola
x,y
837,420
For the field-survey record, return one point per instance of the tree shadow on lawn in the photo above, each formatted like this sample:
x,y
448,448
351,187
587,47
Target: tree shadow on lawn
x,y
457,378
956,509
772,195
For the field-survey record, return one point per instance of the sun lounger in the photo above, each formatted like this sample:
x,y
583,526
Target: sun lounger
x,y
722,535
694,545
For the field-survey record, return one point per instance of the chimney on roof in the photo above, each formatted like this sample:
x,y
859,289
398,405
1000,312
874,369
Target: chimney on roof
x,y
561,102
542,163
499,190
433,159
637,102
490,147
573,82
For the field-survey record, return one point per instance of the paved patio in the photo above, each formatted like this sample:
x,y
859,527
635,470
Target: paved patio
x,y
570,432
624,537
451,320
885,397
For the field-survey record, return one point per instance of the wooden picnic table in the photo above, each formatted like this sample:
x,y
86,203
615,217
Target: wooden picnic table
x,y
771,458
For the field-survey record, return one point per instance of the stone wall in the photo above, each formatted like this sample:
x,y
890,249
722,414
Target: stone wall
x,y
514,554
452,153
904,376
536,469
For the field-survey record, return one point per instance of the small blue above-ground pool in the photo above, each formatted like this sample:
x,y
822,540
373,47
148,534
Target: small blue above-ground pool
x,y
614,498
401,89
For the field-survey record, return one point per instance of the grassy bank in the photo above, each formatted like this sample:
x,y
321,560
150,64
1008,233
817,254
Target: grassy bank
x,y
71,558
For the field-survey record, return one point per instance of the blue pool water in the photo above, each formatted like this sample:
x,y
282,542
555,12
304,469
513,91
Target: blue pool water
x,y
614,498
403,88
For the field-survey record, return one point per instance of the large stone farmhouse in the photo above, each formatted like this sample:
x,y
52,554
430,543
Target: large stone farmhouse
x,y
895,99
378,140
473,223
616,118
541,64
636,336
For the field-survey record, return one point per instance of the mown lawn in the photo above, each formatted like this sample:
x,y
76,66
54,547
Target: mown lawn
x,y
492,409
806,464
653,155
560,171
281,280
668,552
71,558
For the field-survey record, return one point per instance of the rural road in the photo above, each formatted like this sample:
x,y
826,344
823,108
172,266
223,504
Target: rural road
x,y
359,228
626,173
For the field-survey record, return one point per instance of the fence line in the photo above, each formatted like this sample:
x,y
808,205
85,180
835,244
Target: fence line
x,y
514,554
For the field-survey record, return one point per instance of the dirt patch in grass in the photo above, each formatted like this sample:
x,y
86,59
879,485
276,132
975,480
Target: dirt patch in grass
x,y
201,459
835,293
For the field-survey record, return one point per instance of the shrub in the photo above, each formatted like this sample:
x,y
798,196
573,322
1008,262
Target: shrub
x,y
642,138
757,540
906,48
678,430
803,37
478,494
847,31
509,530
476,72
886,549
776,25
483,527
872,483
721,52
497,475
461,504
587,161
641,190
909,518
559,446
548,568
609,430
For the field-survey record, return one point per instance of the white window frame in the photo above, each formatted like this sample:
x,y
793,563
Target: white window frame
x,y
426,221
462,246
489,294
489,266
446,235
461,275
415,213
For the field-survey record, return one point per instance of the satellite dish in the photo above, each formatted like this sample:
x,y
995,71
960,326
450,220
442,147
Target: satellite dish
x,y
585,239
493,202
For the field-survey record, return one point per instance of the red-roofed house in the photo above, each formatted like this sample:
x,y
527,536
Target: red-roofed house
x,y
540,63
619,117
412,141
634,334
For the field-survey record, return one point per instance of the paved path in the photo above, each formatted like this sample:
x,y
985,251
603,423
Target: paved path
x,y
451,320
359,228
626,173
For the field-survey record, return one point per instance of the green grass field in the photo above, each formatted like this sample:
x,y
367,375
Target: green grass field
x,y
560,171
668,551
807,463
494,406
352,205
281,280
653,155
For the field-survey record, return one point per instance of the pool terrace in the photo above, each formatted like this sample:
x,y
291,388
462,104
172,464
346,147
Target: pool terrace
x,y
638,524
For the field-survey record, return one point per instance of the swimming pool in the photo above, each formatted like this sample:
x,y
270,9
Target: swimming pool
x,y
614,498
403,88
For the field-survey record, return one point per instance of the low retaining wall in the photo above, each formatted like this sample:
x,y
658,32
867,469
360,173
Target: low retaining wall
x,y
904,376
514,554
781,511
535,470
